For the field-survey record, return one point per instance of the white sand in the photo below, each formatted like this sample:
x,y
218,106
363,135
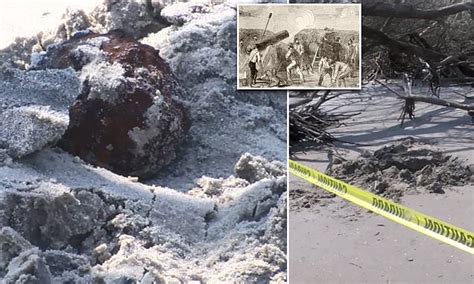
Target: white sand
x,y
24,18
197,221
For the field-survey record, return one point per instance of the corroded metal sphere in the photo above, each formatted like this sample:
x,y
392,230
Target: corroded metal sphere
x,y
127,117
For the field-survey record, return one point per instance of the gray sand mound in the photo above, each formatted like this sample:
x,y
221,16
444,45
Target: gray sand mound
x,y
303,198
408,165
85,230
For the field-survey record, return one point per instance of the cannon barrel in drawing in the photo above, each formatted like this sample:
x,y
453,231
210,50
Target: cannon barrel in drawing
x,y
269,40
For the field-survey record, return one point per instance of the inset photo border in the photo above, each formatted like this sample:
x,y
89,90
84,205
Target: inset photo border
x,y
299,46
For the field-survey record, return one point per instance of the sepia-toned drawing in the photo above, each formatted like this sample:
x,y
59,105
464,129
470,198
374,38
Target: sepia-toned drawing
x,y
299,46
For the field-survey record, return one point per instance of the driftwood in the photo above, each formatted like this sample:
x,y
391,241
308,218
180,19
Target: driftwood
x,y
310,126
408,107
441,102
309,123
429,100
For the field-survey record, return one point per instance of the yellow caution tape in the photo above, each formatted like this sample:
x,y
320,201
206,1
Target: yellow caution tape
x,y
410,218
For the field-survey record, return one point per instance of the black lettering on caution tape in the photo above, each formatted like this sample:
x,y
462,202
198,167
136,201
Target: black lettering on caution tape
x,y
436,227
334,184
460,236
391,208
450,232
342,188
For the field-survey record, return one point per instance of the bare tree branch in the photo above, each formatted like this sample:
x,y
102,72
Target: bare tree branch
x,y
299,102
409,11
400,46
440,102
430,100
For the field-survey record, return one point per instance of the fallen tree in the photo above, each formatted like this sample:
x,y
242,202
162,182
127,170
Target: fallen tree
x,y
410,99
400,46
430,100
412,45
382,9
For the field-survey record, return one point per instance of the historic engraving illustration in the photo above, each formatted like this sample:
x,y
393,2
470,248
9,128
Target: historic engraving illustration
x,y
299,46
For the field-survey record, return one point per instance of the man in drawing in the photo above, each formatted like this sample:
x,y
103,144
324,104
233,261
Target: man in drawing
x,y
293,56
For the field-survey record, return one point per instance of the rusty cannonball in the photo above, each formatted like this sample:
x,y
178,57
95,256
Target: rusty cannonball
x,y
127,117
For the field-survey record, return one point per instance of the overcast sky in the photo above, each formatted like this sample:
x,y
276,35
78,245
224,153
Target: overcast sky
x,y
295,18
